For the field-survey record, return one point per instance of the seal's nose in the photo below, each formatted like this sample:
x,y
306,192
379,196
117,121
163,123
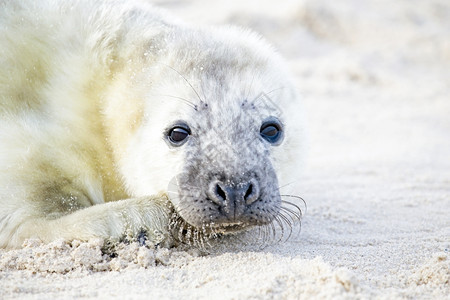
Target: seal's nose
x,y
233,197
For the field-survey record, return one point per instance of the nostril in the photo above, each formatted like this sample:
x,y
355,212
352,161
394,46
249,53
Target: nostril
x,y
217,192
248,192
252,192
220,193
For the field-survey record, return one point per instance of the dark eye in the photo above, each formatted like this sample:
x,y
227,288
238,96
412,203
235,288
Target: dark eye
x,y
178,135
271,132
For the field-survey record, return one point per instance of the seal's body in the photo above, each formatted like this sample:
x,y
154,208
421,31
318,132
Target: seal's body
x,y
108,101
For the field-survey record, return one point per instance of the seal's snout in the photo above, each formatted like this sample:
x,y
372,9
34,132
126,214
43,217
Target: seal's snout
x,y
227,202
232,197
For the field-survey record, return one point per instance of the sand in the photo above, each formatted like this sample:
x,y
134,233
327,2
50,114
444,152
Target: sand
x,y
375,78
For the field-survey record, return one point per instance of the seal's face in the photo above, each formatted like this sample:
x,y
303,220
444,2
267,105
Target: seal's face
x,y
227,180
214,136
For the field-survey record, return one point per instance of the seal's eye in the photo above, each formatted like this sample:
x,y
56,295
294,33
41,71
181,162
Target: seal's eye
x,y
271,131
178,135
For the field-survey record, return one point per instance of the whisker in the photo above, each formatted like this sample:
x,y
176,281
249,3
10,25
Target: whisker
x,y
288,222
294,214
202,89
269,234
281,228
250,86
289,216
260,95
185,101
293,196
187,81
266,235
292,204
276,89
264,94
274,231
297,215
287,184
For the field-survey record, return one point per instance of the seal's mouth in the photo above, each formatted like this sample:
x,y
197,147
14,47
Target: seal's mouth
x,y
230,228
219,219
187,233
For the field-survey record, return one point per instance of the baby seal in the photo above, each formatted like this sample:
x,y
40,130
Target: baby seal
x,y
117,119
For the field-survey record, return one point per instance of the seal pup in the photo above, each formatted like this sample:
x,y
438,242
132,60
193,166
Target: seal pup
x,y
108,107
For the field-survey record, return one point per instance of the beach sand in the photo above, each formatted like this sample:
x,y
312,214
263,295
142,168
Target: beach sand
x,y
375,81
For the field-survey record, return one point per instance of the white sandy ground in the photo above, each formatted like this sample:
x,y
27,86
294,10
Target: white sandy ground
x,y
375,76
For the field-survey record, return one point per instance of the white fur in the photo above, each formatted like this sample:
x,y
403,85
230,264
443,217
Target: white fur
x,y
84,103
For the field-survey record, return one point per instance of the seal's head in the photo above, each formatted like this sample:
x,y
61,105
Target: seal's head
x,y
218,131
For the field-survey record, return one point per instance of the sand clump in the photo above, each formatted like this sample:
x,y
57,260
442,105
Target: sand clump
x,y
62,257
434,273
